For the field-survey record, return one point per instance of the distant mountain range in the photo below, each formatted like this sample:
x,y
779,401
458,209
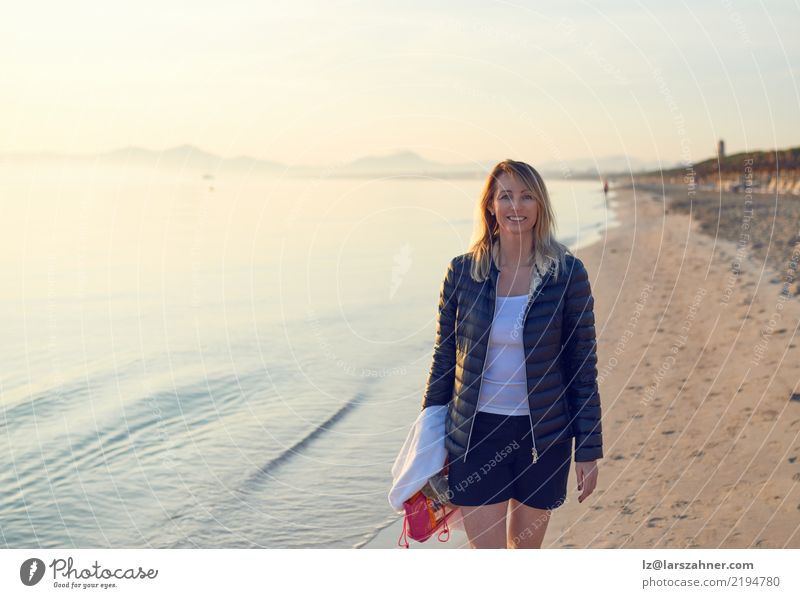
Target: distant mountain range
x,y
399,163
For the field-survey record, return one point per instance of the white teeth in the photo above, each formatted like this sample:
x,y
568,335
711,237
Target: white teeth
x,y
516,218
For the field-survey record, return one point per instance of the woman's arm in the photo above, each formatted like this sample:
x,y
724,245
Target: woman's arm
x,y
580,360
439,388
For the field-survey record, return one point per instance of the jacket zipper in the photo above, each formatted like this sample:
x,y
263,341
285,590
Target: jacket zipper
x,y
534,453
480,382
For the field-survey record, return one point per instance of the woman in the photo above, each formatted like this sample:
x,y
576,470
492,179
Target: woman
x,y
515,363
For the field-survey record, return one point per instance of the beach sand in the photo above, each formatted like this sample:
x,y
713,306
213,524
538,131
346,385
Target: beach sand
x,y
697,365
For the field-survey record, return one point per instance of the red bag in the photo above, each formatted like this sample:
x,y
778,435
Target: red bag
x,y
423,516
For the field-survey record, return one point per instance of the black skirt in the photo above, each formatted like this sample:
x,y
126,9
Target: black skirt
x,y
500,466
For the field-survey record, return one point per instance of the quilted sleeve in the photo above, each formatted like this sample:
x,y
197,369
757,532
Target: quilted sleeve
x,y
579,356
441,378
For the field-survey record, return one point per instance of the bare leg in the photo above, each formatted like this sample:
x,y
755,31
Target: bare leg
x,y
486,525
526,525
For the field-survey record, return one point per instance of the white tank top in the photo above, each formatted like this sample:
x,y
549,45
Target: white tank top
x,y
504,388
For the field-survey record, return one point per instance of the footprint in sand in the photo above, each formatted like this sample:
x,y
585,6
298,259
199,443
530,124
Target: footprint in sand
x,y
769,415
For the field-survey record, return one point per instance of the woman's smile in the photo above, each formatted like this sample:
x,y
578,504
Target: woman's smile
x,y
514,206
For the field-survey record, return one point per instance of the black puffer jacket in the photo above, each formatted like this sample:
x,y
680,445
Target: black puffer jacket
x,y
560,351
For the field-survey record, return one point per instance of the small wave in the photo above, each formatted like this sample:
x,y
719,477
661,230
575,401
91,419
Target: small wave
x,y
369,537
253,481
287,454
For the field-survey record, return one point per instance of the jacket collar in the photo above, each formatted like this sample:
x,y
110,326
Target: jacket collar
x,y
494,271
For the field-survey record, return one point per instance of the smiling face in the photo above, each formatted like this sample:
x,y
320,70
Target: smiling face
x,y
514,206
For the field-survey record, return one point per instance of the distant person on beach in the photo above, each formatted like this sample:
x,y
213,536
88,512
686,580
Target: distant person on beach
x,y
514,360
605,187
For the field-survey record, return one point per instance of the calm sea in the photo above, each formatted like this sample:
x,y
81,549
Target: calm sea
x,y
227,361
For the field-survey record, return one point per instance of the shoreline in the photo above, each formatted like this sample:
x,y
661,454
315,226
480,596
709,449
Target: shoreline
x,y
697,372
764,225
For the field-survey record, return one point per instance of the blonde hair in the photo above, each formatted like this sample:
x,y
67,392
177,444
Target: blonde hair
x,y
547,251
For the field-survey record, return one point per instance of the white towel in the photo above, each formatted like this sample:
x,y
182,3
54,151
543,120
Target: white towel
x,y
422,456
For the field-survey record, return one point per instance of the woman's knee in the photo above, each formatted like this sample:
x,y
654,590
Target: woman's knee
x,y
486,525
527,526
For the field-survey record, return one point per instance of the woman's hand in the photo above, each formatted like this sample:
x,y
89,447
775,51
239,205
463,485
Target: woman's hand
x,y
586,472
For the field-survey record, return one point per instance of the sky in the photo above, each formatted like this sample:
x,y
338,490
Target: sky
x,y
326,82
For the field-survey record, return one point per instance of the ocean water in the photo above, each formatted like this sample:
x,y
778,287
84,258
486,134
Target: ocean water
x,y
226,361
